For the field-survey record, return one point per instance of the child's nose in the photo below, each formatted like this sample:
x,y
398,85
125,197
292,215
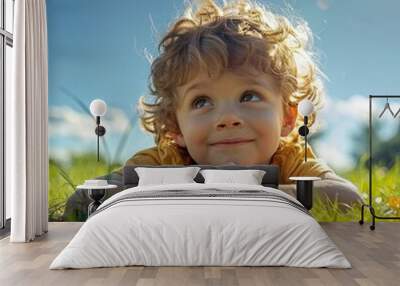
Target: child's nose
x,y
229,120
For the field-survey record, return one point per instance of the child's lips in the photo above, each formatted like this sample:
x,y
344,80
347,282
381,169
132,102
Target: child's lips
x,y
231,142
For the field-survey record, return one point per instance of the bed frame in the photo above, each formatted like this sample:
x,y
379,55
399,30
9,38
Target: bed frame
x,y
130,179
270,179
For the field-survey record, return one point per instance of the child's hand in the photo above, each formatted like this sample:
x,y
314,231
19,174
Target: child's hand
x,y
335,187
332,187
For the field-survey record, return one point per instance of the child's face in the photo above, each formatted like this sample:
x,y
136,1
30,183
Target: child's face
x,y
237,117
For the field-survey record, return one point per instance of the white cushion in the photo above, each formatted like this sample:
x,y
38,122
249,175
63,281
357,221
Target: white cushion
x,y
248,177
162,176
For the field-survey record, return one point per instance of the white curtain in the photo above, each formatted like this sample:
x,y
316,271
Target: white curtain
x,y
27,152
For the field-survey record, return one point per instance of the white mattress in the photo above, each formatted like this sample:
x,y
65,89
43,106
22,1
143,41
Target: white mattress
x,y
183,231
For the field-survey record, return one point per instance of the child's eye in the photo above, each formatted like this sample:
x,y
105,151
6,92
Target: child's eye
x,y
251,96
200,102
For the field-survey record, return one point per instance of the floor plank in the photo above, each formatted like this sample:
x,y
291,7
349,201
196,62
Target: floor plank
x,y
374,255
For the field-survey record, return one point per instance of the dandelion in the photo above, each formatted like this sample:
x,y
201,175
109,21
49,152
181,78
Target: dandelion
x,y
394,202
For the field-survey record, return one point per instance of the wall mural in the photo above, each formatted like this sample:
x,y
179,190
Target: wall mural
x,y
209,91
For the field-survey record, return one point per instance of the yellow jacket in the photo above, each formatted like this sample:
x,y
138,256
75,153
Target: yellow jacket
x,y
289,157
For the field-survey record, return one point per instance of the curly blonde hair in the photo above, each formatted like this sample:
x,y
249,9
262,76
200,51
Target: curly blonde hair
x,y
215,38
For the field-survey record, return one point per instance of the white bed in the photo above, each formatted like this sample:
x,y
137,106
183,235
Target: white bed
x,y
251,225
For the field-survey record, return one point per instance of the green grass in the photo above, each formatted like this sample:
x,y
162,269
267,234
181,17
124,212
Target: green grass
x,y
385,191
63,180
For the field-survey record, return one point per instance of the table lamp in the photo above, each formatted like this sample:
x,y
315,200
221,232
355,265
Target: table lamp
x,y
98,108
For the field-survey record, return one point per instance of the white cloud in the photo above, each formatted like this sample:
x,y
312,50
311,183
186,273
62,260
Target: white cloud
x,y
60,154
340,119
67,122
116,120
355,108
353,112
323,4
334,155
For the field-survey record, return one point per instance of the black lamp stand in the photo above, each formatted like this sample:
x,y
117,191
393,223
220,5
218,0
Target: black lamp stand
x,y
303,131
100,131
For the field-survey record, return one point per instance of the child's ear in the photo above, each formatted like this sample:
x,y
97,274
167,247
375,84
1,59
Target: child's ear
x,y
289,119
178,138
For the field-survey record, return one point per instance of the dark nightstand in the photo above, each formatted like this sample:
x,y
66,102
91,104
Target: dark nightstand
x,y
96,194
304,190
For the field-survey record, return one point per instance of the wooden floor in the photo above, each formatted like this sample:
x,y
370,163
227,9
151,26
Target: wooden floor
x,y
374,255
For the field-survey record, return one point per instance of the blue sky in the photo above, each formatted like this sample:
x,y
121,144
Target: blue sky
x,y
97,50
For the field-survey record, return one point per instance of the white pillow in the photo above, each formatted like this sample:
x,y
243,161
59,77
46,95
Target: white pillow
x,y
162,176
249,177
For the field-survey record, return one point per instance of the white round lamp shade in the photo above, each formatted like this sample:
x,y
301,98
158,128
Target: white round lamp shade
x,y
306,107
98,107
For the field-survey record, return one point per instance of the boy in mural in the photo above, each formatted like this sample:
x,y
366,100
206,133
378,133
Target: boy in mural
x,y
227,84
